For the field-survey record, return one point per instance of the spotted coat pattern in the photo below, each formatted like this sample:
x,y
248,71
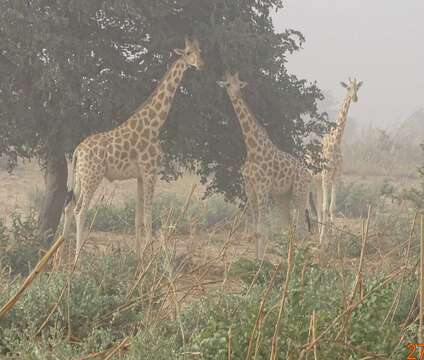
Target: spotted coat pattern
x,y
131,150
332,154
268,172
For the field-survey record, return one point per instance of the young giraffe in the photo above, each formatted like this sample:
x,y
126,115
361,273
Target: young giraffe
x,y
131,150
268,172
332,153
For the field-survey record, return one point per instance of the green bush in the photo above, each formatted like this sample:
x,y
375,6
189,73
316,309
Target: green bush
x,y
96,291
93,309
20,244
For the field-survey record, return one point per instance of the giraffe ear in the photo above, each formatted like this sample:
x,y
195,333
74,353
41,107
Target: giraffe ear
x,y
222,84
343,84
243,84
359,84
179,52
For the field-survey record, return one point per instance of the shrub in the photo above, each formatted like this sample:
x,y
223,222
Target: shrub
x,y
99,288
20,243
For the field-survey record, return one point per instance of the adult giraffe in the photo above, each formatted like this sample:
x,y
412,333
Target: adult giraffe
x,y
268,172
129,151
332,154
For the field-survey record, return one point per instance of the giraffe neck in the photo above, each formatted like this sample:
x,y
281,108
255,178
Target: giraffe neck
x,y
341,120
158,104
254,135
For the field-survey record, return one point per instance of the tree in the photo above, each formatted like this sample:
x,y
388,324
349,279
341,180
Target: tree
x,y
71,67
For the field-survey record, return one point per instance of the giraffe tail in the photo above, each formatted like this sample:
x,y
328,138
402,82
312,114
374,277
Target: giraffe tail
x,y
70,195
312,203
308,220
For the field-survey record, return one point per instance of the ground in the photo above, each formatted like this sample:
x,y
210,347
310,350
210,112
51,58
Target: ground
x,y
215,264
22,188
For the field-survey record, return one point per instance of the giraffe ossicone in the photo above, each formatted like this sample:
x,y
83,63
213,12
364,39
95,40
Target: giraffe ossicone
x,y
267,172
129,151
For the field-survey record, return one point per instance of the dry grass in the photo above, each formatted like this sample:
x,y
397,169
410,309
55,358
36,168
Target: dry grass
x,y
200,263
196,247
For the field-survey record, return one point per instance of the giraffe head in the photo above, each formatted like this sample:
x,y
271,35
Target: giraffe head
x,y
352,87
232,84
191,53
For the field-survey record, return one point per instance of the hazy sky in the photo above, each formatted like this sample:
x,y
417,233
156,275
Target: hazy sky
x,y
379,41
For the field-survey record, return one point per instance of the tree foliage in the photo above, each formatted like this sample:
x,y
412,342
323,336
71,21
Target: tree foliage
x,y
71,68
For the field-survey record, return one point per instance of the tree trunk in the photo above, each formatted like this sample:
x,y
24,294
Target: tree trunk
x,y
55,175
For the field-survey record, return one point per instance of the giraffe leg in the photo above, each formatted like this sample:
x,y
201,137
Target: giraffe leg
x,y
149,181
68,213
68,217
284,205
325,190
139,216
260,233
300,200
87,190
80,218
333,201
319,202
252,208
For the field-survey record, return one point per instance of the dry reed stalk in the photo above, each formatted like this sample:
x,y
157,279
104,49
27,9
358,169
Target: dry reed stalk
x,y
340,256
68,308
393,308
306,262
368,355
165,312
171,287
38,269
137,301
274,342
405,324
400,342
152,292
8,276
168,262
361,258
206,266
420,327
117,348
259,336
365,231
141,277
314,334
66,286
111,350
309,339
252,283
229,346
388,278
261,309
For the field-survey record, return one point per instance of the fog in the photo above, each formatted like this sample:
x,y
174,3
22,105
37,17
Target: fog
x,y
379,41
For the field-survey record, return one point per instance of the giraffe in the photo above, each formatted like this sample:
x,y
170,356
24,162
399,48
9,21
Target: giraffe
x,y
332,154
268,172
129,151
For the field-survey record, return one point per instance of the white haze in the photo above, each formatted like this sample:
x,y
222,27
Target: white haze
x,y
379,41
